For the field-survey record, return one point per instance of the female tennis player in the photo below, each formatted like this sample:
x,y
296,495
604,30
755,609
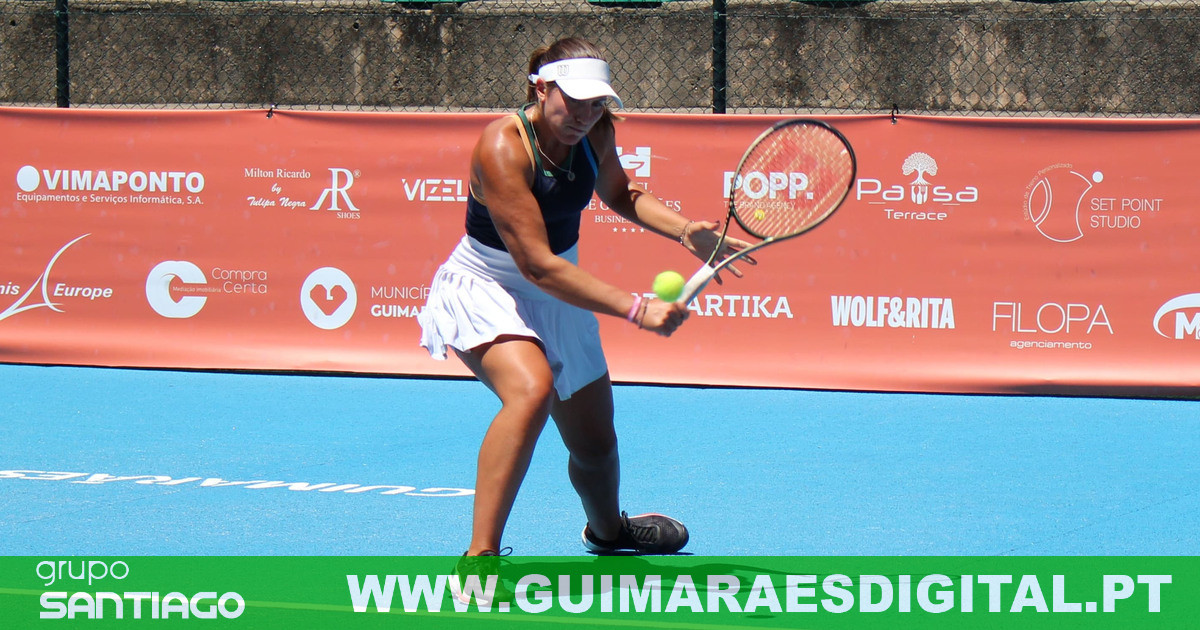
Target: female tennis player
x,y
516,308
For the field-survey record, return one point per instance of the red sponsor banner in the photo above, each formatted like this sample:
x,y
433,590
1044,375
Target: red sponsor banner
x,y
974,255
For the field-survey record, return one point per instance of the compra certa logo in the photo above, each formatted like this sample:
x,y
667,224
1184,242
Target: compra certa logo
x,y
158,289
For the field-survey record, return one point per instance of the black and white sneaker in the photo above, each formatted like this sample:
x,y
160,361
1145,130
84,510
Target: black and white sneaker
x,y
642,534
484,566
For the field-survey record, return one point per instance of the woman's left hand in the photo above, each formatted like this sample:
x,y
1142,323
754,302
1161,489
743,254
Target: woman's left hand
x,y
700,237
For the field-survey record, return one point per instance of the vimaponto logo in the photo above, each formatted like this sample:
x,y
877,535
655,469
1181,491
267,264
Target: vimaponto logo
x,y
328,298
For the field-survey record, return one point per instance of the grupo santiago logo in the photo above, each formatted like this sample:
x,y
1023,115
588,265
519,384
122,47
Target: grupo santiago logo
x,y
637,160
52,293
328,298
1064,203
917,199
638,163
1186,320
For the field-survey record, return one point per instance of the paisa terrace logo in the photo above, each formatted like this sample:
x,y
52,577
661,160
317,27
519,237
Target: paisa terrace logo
x,y
928,196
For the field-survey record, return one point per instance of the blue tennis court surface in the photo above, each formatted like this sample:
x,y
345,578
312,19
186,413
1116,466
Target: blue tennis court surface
x,y
138,462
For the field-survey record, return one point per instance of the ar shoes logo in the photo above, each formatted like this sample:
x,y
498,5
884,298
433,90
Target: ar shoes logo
x,y
338,194
57,291
328,298
158,289
1186,309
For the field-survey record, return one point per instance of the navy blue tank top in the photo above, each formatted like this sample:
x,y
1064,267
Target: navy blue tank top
x,y
561,196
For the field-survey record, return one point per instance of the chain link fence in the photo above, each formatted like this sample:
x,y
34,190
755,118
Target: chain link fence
x,y
1085,57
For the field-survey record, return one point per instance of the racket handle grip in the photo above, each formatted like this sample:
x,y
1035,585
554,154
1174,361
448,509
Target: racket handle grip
x,y
696,284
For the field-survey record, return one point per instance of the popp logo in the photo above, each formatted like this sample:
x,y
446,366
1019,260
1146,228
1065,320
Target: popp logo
x,y
158,289
328,298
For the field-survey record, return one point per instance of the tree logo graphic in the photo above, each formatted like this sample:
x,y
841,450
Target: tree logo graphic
x,y
922,164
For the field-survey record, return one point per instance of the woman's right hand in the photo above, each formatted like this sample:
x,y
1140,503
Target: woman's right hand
x,y
661,317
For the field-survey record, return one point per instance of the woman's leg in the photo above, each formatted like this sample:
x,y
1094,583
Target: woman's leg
x,y
585,421
516,370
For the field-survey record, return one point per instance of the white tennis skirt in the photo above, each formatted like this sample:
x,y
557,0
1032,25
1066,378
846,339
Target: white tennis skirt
x,y
478,295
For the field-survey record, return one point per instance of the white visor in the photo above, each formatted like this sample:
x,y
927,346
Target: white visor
x,y
581,79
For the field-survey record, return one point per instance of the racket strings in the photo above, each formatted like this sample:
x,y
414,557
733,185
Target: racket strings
x,y
791,180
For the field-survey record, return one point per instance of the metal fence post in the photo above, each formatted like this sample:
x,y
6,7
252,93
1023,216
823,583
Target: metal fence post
x,y
62,84
718,56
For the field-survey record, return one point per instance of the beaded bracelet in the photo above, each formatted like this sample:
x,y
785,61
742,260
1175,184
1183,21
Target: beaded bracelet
x,y
683,232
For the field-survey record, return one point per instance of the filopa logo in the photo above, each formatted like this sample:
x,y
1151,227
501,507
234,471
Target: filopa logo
x,y
1186,320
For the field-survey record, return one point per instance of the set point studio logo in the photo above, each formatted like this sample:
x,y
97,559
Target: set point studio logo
x,y
1063,204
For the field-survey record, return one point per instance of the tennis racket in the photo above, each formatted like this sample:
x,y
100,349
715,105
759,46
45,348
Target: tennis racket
x,y
793,177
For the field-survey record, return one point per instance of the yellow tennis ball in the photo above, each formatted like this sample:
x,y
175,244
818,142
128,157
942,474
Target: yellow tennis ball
x,y
668,286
